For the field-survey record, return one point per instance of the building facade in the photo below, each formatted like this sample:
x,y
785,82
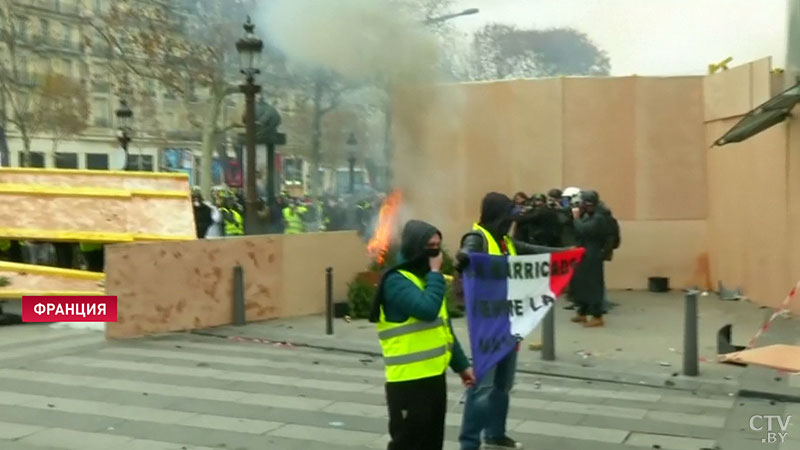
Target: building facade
x,y
55,37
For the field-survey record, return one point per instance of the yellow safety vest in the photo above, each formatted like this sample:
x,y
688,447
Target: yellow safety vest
x,y
414,349
294,225
87,247
5,245
492,245
233,227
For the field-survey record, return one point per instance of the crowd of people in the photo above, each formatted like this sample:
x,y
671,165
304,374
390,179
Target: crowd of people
x,y
224,216
414,329
573,218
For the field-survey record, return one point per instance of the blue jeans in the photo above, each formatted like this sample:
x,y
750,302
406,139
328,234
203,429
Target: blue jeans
x,y
486,407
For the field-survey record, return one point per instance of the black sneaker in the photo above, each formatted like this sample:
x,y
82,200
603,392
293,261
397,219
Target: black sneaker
x,y
501,444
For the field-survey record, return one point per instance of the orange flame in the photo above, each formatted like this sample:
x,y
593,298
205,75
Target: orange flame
x,y
379,244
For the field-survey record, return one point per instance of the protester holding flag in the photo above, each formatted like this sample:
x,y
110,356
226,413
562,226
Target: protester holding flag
x,y
417,341
487,404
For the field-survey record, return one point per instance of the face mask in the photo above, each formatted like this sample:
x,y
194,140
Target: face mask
x,y
432,252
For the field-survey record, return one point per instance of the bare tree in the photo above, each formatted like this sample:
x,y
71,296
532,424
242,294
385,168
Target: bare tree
x,y
188,47
505,51
62,108
18,85
35,101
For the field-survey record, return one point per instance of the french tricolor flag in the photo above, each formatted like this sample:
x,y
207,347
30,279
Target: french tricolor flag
x,y
507,296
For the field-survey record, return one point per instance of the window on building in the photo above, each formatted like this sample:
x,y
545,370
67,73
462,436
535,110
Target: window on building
x,y
134,163
66,160
22,28
97,161
67,36
293,170
44,29
36,159
100,112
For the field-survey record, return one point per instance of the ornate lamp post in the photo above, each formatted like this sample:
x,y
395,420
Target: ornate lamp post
x,y
124,120
352,144
249,48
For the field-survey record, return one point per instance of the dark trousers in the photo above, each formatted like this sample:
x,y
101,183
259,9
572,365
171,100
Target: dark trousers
x,y
95,260
416,413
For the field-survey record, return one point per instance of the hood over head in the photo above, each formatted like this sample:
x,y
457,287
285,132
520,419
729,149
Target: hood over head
x,y
415,237
414,257
497,214
590,197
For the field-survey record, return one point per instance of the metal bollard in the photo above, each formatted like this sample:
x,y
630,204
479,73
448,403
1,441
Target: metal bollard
x,y
690,363
329,301
238,296
549,335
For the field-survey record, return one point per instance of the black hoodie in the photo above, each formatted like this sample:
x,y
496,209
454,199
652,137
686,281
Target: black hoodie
x,y
497,214
413,258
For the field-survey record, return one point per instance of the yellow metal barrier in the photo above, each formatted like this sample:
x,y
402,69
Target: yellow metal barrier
x,y
6,266
116,173
11,295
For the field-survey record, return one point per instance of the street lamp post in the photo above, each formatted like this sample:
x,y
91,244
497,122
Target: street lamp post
x,y
124,120
351,145
249,48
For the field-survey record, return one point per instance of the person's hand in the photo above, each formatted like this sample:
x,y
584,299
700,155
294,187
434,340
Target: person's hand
x,y
467,377
576,213
436,262
462,261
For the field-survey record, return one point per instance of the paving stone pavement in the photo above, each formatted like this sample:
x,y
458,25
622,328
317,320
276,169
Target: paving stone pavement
x,y
71,390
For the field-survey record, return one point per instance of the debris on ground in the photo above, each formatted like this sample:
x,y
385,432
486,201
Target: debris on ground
x,y
4,281
664,364
348,319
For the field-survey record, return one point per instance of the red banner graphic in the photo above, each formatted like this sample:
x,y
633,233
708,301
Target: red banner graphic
x,y
69,309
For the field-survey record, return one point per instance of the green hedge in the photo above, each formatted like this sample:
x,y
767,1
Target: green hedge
x,y
361,292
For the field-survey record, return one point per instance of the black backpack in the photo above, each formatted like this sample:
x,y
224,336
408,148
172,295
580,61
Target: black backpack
x,y
614,237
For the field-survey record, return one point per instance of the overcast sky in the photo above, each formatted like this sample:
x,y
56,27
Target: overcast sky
x,y
653,37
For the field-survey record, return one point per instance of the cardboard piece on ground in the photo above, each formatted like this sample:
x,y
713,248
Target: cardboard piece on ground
x,y
780,356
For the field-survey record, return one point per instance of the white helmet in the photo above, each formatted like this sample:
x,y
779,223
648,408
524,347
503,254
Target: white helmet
x,y
571,192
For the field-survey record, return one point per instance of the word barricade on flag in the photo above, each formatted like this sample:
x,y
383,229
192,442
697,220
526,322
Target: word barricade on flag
x,y
507,296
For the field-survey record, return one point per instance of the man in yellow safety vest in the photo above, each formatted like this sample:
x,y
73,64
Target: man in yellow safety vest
x,y
486,406
231,219
417,341
293,218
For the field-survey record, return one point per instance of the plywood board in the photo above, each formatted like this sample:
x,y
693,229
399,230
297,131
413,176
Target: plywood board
x,y
599,140
96,178
793,200
728,94
781,357
674,249
761,81
100,206
748,219
670,166
176,286
305,258
26,279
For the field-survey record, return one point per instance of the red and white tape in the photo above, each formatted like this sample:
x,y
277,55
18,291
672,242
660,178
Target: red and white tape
x,y
782,309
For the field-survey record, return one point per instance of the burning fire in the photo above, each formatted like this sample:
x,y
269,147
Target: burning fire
x,y
379,244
